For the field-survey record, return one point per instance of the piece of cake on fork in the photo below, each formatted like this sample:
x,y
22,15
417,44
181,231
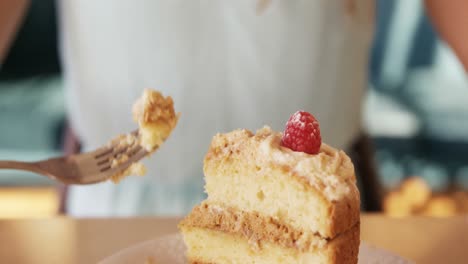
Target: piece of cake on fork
x,y
275,198
156,119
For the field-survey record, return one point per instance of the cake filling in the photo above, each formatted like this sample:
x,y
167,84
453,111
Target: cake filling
x,y
218,247
255,227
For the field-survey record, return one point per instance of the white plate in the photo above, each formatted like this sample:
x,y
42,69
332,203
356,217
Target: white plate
x,y
170,249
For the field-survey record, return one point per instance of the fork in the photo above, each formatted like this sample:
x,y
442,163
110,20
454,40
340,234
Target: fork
x,y
86,168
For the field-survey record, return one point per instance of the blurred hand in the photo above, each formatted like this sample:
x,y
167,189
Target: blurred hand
x,y
450,19
11,13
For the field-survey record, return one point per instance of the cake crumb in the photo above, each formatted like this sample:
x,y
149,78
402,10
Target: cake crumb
x,y
136,169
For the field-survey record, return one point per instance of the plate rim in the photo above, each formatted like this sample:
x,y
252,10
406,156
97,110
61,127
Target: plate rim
x,y
116,257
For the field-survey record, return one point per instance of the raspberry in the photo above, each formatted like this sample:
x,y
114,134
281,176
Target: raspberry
x,y
302,133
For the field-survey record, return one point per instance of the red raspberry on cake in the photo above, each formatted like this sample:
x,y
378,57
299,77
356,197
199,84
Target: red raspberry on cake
x,y
302,133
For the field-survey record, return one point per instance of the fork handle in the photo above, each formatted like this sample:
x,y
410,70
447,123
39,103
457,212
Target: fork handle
x,y
19,165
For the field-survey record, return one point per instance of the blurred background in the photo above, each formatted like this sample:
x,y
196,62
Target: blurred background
x,y
415,111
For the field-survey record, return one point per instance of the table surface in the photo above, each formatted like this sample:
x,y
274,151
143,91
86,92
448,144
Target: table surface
x,y
66,240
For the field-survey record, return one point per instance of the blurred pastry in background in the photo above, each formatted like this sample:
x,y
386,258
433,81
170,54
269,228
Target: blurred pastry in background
x,y
440,206
414,197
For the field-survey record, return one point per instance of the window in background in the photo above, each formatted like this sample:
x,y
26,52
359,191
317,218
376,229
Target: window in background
x,y
417,110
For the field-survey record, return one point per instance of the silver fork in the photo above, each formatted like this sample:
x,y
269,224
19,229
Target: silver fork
x,y
86,168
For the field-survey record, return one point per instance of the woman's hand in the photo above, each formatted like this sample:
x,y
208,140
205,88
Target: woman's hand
x,y
450,18
11,13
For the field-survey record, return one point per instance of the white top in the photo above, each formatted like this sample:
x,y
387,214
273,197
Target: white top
x,y
226,65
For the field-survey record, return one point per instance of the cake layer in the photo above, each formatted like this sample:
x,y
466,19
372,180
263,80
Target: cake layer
x,y
314,193
252,226
210,246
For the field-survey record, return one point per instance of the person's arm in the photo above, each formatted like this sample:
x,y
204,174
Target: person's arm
x,y
450,19
11,13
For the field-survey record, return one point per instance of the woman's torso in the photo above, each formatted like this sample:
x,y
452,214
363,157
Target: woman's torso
x,y
225,65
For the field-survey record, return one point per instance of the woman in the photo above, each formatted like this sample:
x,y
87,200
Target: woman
x,y
227,64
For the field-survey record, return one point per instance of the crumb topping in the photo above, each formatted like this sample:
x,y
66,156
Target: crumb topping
x,y
329,171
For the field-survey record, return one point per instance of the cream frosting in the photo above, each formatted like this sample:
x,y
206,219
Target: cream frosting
x,y
330,171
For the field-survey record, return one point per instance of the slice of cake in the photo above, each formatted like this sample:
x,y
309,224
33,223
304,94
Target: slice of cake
x,y
156,119
275,199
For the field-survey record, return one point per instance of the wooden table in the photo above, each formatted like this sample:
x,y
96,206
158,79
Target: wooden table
x,y
65,240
